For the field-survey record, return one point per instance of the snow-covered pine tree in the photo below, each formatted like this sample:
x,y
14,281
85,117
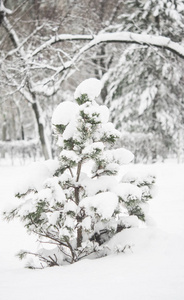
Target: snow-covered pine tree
x,y
145,90
80,207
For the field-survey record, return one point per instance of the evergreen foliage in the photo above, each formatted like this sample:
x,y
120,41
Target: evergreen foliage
x,y
145,88
83,204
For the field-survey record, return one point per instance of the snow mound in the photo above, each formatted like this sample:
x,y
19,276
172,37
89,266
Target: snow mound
x,y
124,190
34,175
140,176
120,155
52,165
104,204
102,184
98,112
92,87
89,149
58,194
70,130
64,113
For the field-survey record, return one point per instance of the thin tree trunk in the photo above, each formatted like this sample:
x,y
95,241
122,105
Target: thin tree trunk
x,y
4,128
4,134
41,131
180,146
79,237
79,218
154,129
22,135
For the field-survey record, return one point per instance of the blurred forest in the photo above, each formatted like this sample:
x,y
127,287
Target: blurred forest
x,y
45,53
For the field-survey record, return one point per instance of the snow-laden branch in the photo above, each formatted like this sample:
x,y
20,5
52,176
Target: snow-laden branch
x,y
13,36
21,44
120,37
115,37
3,9
60,38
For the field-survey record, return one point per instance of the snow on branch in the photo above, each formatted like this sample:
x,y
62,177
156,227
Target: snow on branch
x,y
60,38
20,45
120,37
4,10
115,37
13,36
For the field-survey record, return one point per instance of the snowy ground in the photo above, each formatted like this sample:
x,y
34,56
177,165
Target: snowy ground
x,y
153,270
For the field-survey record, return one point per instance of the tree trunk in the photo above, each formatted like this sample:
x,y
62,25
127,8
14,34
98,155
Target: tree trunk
x,y
4,128
77,200
180,146
154,129
21,134
79,220
4,134
79,237
41,131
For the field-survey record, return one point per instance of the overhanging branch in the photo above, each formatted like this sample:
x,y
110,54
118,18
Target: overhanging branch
x,y
115,37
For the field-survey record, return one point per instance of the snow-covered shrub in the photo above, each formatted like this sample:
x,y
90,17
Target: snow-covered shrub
x,y
21,150
83,204
142,143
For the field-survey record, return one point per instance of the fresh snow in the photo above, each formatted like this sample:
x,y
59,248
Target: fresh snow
x,y
146,98
123,36
152,269
104,203
53,188
123,190
53,217
121,156
94,186
69,155
70,130
99,112
64,113
90,149
34,175
92,87
109,130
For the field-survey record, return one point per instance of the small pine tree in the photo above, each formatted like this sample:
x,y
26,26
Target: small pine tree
x,y
83,204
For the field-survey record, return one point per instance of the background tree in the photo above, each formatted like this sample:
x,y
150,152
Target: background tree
x,y
39,58
25,25
145,90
